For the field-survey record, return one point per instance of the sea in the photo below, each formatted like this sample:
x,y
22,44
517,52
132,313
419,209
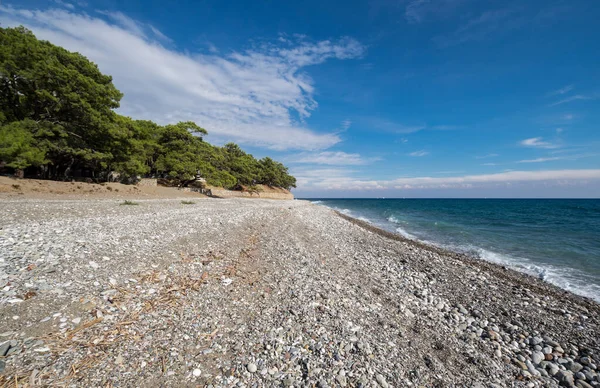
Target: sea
x,y
556,240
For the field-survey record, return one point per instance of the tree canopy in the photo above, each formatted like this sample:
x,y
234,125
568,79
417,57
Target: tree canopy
x,y
57,117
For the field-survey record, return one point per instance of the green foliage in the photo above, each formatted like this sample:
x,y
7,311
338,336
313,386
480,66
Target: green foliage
x,y
129,203
57,115
188,202
18,145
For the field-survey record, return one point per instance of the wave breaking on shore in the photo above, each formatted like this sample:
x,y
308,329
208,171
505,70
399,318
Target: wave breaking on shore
x,y
569,279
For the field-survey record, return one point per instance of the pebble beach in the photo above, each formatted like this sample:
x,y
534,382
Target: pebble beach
x,y
265,293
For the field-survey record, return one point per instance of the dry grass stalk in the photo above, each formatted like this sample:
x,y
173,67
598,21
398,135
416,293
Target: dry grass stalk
x,y
71,334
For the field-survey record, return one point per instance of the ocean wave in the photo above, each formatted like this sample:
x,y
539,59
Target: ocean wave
x,y
316,202
569,279
405,234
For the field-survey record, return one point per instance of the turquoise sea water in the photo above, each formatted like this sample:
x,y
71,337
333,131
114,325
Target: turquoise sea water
x,y
557,240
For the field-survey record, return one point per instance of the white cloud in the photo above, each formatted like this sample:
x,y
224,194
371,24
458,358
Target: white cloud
x,y
504,177
537,142
332,158
160,35
553,158
259,97
341,179
385,125
419,153
489,164
478,28
486,156
573,98
417,11
125,22
331,179
346,124
445,127
64,4
540,160
563,90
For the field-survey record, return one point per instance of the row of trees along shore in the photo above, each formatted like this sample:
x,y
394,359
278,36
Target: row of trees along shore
x,y
57,120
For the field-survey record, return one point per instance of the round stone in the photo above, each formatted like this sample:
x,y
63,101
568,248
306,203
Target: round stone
x,y
537,357
197,372
251,368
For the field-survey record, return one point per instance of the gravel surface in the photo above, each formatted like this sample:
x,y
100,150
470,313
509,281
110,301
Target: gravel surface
x,y
255,293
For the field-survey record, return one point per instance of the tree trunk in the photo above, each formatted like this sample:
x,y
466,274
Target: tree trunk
x,y
68,169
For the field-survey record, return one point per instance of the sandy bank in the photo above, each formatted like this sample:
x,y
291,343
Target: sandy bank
x,y
268,293
11,188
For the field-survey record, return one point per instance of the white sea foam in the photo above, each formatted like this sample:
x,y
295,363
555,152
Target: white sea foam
x,y
569,279
405,234
317,202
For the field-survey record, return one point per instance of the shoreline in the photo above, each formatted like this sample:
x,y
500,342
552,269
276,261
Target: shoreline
x,y
498,269
268,293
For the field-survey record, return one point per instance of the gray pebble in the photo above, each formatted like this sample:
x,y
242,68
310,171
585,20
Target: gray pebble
x,y
575,367
537,357
381,381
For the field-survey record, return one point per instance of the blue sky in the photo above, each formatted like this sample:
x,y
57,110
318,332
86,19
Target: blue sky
x,y
415,98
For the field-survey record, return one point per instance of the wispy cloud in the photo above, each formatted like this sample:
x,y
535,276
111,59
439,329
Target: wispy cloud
x,y
261,96
415,10
574,98
489,164
449,172
64,4
419,153
418,11
343,179
446,127
159,34
386,125
124,22
554,158
540,160
486,156
537,142
479,28
332,179
562,90
338,158
511,176
346,124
